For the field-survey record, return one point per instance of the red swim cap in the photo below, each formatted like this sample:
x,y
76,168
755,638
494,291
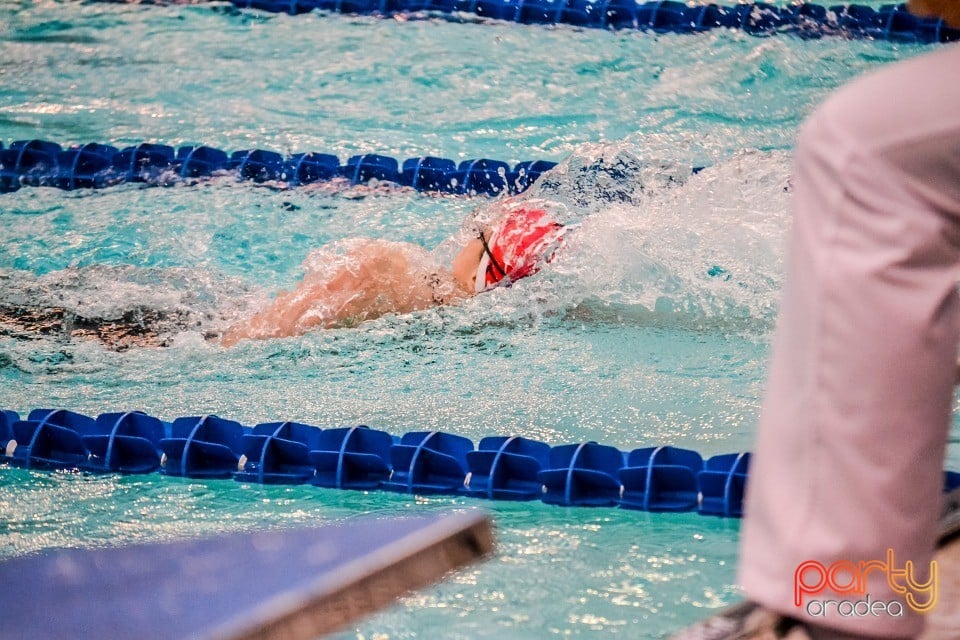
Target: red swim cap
x,y
518,247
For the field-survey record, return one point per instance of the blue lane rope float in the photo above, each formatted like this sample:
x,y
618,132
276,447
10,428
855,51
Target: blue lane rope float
x,y
94,165
889,22
424,462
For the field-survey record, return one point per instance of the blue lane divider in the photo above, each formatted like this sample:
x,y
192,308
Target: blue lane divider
x,y
78,167
202,447
889,22
125,443
7,420
582,475
507,468
93,165
142,163
661,479
429,462
951,479
430,174
52,438
352,458
422,462
722,484
278,453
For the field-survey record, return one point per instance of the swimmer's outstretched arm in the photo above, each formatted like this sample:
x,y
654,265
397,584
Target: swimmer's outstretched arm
x,y
366,279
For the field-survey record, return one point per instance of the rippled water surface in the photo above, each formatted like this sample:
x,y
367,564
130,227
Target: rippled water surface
x,y
651,327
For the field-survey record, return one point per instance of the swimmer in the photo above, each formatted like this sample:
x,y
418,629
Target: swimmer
x,y
348,281
361,279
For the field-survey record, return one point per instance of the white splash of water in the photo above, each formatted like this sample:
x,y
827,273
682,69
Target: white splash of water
x,y
705,250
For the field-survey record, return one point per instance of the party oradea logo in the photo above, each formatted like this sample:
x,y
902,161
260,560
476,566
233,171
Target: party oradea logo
x,y
841,588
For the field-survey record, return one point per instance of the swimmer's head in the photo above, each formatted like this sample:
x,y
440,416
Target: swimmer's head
x,y
516,248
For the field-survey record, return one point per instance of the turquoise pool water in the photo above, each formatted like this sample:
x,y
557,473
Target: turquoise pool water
x,y
625,339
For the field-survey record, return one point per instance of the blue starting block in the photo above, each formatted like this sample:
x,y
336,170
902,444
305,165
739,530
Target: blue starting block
x,y
296,584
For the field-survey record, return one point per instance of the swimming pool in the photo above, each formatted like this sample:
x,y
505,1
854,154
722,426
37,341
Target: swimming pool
x,y
627,339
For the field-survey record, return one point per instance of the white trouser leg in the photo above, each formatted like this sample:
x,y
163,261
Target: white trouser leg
x,y
849,456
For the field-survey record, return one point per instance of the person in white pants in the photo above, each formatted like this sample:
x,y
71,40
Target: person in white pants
x,y
848,464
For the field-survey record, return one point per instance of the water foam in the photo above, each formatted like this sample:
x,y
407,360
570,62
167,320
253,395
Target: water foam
x,y
702,250
164,300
